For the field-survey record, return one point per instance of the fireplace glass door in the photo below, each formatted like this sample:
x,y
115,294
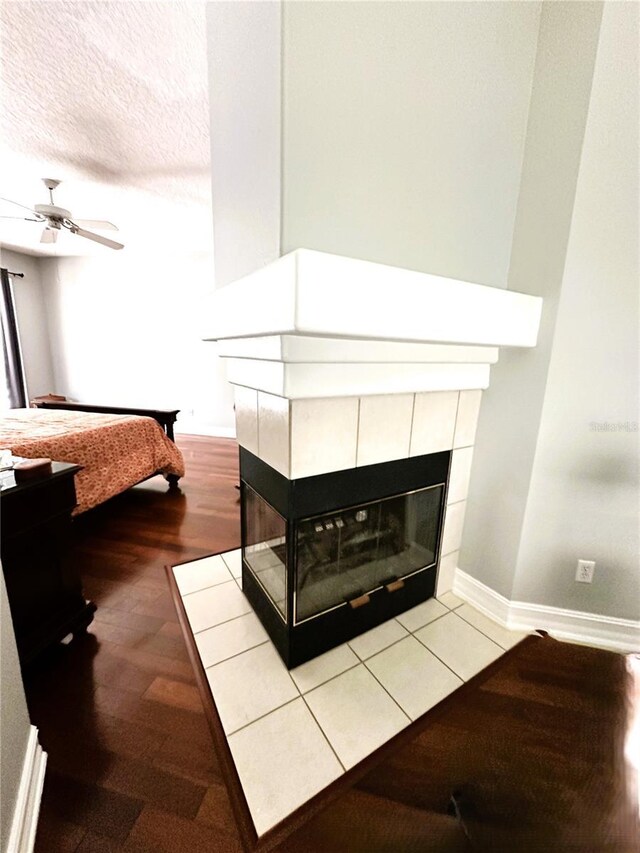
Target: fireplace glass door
x,y
347,553
265,550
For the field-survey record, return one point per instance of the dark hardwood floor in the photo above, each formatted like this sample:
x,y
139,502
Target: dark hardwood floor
x,y
535,751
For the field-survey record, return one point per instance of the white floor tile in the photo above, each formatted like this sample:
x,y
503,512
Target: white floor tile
x,y
450,601
231,638
233,559
422,614
280,748
415,678
459,645
356,714
378,638
324,667
199,574
214,605
498,633
282,760
249,685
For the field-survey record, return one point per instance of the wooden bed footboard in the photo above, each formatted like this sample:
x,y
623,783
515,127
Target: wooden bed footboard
x,y
165,417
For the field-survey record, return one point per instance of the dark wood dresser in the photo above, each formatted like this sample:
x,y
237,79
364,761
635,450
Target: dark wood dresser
x,y
43,584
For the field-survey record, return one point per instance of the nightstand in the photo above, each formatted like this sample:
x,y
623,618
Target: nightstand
x,y
43,584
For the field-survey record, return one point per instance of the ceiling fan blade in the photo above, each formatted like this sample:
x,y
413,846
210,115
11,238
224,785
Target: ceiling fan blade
x,y
49,235
100,224
97,238
17,203
23,218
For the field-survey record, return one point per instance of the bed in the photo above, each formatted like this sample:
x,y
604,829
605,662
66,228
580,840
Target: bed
x,y
115,450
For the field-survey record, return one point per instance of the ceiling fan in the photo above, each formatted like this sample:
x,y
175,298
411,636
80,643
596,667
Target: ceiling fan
x,y
56,218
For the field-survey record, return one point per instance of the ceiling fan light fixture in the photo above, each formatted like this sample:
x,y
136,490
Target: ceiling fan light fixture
x,y
49,235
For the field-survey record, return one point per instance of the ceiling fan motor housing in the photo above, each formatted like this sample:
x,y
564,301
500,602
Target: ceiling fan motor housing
x,y
52,212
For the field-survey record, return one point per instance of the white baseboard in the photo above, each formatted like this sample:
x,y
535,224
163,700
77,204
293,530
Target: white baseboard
x,y
483,598
204,429
591,629
25,814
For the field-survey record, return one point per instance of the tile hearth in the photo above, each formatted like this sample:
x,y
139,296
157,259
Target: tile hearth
x,y
292,733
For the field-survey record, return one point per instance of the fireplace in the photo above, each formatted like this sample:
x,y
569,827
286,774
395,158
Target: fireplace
x,y
326,558
357,393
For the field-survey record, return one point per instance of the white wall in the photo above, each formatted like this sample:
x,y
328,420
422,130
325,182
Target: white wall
x,y
584,497
126,330
32,322
512,407
403,131
243,48
447,137
14,719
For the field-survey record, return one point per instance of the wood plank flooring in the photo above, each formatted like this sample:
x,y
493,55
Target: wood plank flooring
x,y
536,752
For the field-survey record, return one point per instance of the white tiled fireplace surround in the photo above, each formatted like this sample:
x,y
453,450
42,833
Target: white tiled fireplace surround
x,y
301,438
339,363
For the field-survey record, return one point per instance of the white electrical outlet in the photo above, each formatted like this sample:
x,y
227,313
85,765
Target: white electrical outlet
x,y
584,571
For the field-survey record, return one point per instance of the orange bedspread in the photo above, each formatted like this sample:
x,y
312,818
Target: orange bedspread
x,y
115,451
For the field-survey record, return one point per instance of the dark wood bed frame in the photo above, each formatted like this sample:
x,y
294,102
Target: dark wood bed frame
x,y
43,578
165,417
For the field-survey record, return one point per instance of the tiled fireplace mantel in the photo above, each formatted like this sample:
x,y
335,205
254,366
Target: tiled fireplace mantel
x,y
339,363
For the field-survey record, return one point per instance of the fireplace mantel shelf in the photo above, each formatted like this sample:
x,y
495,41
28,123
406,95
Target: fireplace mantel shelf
x,y
310,293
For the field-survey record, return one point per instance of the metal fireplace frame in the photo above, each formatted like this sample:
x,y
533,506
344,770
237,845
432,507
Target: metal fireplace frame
x,y
297,500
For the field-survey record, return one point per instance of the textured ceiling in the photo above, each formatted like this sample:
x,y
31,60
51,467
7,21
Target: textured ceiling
x,y
113,99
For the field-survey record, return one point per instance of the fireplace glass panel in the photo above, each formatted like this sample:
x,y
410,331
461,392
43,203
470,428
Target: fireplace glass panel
x,y
265,549
346,553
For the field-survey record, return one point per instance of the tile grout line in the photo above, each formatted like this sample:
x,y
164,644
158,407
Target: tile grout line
x,y
227,564
430,622
409,633
391,696
479,630
324,734
383,649
332,678
456,606
486,636
464,680
183,595
413,414
457,674
455,424
462,500
224,622
261,717
234,655
431,650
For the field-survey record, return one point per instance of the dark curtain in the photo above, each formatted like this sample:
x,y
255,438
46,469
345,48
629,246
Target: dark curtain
x,y
13,369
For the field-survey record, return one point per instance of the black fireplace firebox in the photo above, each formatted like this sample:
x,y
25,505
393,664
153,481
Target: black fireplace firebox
x,y
326,558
